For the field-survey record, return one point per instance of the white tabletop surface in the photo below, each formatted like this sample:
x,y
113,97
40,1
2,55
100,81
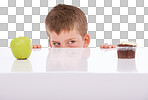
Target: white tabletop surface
x,y
74,74
90,60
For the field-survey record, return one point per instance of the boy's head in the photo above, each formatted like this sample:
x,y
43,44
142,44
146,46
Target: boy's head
x,y
66,27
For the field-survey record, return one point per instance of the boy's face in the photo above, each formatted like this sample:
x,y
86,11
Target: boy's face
x,y
68,39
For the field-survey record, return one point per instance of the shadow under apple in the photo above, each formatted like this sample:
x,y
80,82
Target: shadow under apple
x,y
21,66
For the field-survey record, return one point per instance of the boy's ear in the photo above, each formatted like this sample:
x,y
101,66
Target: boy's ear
x,y
50,43
86,40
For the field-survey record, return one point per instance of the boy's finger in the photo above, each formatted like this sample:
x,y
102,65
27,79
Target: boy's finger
x,y
101,46
34,46
114,46
105,46
109,46
39,46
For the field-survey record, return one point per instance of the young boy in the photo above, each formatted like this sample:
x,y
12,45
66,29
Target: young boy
x,y
66,27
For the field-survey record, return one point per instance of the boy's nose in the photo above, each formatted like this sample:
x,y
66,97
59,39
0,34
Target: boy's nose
x,y
63,46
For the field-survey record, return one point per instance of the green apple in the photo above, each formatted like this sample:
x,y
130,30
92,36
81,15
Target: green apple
x,y
21,47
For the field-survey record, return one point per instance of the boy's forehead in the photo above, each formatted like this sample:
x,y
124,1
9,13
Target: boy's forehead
x,y
64,35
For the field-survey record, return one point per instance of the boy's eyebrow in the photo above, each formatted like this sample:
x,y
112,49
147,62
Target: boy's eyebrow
x,y
70,39
55,41
65,40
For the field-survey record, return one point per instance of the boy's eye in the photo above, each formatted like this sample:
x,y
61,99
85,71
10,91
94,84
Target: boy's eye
x,y
56,44
70,42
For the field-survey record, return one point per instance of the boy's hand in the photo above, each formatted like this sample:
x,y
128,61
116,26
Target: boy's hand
x,y
35,46
107,46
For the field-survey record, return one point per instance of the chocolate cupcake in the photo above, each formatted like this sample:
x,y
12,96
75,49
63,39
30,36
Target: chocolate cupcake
x,y
126,50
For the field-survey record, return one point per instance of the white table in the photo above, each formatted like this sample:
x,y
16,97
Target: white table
x,y
74,74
